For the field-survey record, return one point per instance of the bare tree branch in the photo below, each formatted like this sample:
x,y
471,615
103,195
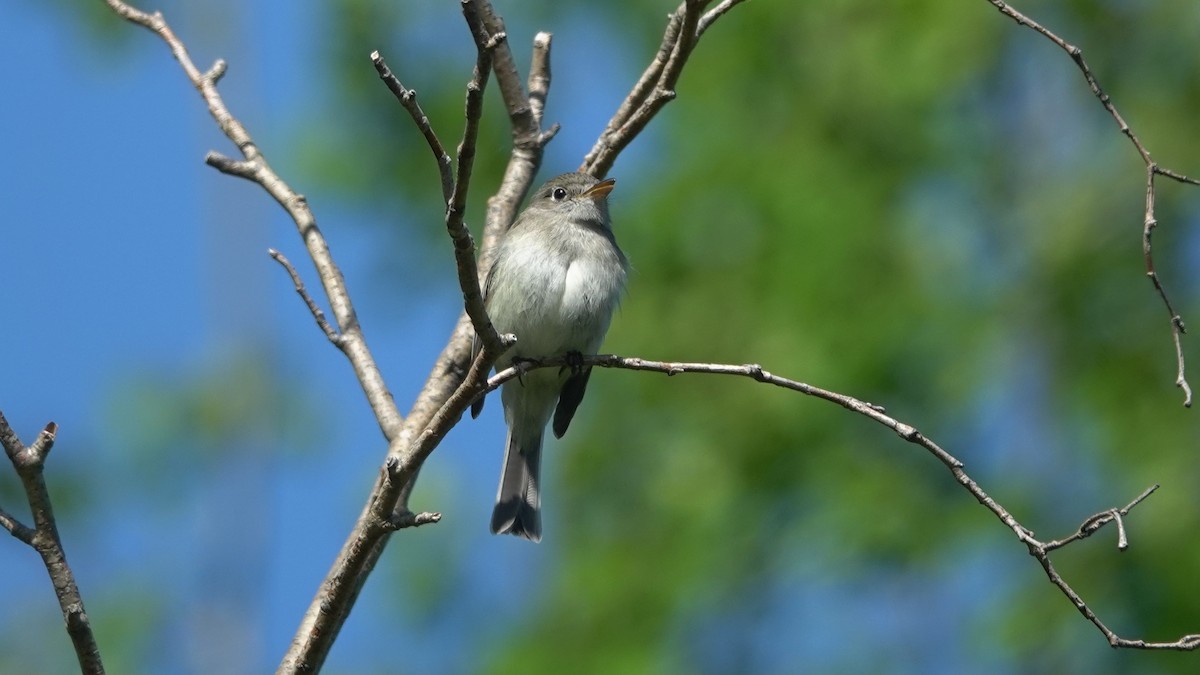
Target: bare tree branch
x,y
485,27
1152,169
715,13
254,167
1177,328
453,383
30,463
656,87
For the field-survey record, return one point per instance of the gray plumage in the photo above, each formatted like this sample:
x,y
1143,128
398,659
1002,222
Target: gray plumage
x,y
555,282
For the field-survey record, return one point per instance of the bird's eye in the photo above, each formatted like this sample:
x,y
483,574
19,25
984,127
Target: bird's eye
x,y
559,194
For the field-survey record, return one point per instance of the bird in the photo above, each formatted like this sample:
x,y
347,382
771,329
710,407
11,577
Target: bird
x,y
555,282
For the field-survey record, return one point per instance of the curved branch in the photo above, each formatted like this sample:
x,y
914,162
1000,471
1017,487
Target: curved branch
x,y
1038,549
1152,169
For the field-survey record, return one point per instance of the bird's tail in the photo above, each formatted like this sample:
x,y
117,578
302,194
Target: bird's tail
x,y
519,500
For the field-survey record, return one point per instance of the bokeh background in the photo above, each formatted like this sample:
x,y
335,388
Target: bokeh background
x,y
917,203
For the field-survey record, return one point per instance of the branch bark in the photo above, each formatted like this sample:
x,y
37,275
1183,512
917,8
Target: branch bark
x,y
30,464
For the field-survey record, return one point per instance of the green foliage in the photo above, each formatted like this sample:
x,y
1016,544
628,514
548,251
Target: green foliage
x,y
922,205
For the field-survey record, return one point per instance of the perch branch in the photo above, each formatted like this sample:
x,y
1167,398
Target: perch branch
x,y
1038,549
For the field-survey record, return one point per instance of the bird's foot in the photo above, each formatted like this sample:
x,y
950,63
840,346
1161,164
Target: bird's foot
x,y
574,361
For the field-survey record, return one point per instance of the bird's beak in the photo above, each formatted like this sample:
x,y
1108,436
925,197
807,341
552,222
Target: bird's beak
x,y
601,189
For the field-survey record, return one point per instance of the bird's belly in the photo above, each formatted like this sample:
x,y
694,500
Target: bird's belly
x,y
563,311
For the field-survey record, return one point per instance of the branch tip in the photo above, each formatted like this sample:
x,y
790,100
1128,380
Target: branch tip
x,y
216,72
410,519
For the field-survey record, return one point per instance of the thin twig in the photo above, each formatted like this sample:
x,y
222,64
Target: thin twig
x,y
318,315
1177,326
1152,168
641,88
16,528
410,519
408,99
30,464
1091,525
